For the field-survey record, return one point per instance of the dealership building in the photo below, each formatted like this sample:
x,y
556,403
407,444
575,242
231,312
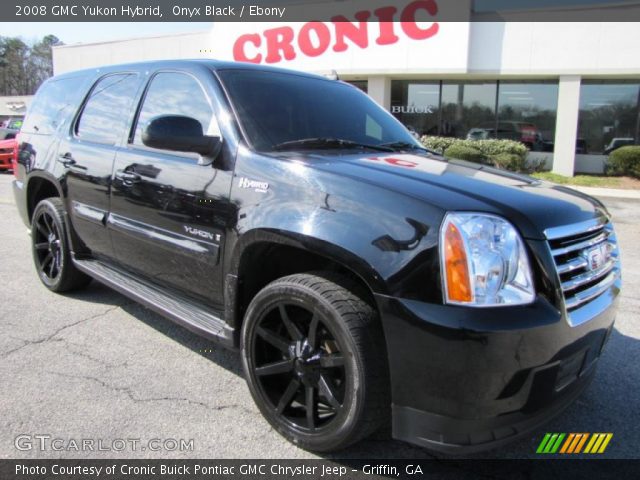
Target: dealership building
x,y
570,90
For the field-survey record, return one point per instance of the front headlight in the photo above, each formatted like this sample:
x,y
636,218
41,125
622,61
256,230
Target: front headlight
x,y
484,262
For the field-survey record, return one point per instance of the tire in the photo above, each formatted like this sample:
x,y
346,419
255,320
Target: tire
x,y
315,361
50,247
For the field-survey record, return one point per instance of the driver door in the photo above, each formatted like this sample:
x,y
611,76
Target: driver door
x,y
169,210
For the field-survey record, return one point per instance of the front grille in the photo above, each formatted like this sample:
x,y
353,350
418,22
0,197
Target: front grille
x,y
587,260
6,150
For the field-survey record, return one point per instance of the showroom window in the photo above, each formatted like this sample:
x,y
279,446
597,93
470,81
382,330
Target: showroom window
x,y
522,111
469,110
527,113
609,115
417,105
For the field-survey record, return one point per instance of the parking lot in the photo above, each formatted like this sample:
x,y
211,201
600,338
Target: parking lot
x,y
94,365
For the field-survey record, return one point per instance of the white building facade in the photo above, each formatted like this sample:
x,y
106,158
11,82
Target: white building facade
x,y
571,91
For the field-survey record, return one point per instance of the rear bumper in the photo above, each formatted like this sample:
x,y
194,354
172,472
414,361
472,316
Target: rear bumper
x,y
466,380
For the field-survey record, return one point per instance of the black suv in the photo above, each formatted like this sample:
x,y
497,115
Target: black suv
x,y
363,278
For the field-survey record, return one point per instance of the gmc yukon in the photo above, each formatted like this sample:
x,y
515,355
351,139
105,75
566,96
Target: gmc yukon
x,y
363,278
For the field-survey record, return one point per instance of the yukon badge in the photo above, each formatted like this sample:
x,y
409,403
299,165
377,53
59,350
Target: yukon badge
x,y
260,187
201,233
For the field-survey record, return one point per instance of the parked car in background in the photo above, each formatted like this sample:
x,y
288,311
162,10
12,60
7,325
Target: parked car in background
x,y
413,132
10,128
616,143
523,132
6,134
481,134
14,123
8,153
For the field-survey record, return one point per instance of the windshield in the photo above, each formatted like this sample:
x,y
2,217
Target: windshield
x,y
279,110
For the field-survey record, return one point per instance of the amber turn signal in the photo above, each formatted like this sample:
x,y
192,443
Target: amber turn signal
x,y
456,266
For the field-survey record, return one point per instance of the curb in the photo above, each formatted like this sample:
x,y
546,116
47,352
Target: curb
x,y
608,192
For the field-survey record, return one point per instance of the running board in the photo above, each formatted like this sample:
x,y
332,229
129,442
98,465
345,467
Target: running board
x,y
184,312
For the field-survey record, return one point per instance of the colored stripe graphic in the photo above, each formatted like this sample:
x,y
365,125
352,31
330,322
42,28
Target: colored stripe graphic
x,y
577,440
543,443
567,443
581,443
551,443
604,445
556,446
598,443
590,444
555,443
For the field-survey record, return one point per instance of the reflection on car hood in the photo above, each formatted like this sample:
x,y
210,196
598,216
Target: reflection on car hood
x,y
455,185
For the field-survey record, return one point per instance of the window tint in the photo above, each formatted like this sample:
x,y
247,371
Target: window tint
x,y
279,108
175,94
52,105
104,118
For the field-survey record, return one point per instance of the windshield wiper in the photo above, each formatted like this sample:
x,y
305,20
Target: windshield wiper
x,y
405,146
329,143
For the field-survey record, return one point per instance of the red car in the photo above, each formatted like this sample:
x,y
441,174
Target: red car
x,y
8,153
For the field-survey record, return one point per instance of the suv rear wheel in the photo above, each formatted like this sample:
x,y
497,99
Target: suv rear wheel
x,y
314,358
50,247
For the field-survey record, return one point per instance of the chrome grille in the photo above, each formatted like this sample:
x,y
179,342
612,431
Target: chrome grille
x,y
587,260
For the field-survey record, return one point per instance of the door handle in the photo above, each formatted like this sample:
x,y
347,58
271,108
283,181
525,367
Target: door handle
x,y
66,159
128,178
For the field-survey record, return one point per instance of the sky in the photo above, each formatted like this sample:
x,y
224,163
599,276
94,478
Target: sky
x,y
85,32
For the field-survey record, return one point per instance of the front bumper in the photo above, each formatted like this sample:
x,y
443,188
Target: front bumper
x,y
466,380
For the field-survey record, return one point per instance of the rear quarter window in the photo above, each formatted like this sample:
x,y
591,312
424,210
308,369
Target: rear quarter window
x,y
54,102
106,112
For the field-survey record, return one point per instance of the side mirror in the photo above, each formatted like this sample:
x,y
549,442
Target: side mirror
x,y
180,134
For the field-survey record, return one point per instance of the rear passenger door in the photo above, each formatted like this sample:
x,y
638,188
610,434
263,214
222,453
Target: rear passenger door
x,y
86,156
170,210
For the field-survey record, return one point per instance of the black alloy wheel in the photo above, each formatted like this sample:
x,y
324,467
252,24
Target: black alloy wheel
x,y
47,246
315,361
50,246
300,366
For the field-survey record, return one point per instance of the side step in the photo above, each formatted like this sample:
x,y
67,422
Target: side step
x,y
192,316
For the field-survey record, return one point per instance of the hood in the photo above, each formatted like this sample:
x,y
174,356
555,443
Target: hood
x,y
454,185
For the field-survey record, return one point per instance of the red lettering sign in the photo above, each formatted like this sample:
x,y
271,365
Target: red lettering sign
x,y
279,40
359,35
315,38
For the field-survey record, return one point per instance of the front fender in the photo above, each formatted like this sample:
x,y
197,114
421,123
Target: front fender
x,y
387,238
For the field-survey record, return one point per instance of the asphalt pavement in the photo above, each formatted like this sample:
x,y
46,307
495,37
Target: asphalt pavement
x,y
96,366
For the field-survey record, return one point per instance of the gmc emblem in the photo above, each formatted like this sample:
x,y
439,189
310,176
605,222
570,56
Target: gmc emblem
x,y
596,257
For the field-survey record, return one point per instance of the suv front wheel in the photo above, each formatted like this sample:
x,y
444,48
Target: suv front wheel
x,y
314,358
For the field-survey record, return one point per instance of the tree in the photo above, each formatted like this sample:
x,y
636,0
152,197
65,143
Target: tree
x,y
22,67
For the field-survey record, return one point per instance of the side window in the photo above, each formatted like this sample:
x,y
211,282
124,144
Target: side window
x,y
52,104
173,93
104,117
